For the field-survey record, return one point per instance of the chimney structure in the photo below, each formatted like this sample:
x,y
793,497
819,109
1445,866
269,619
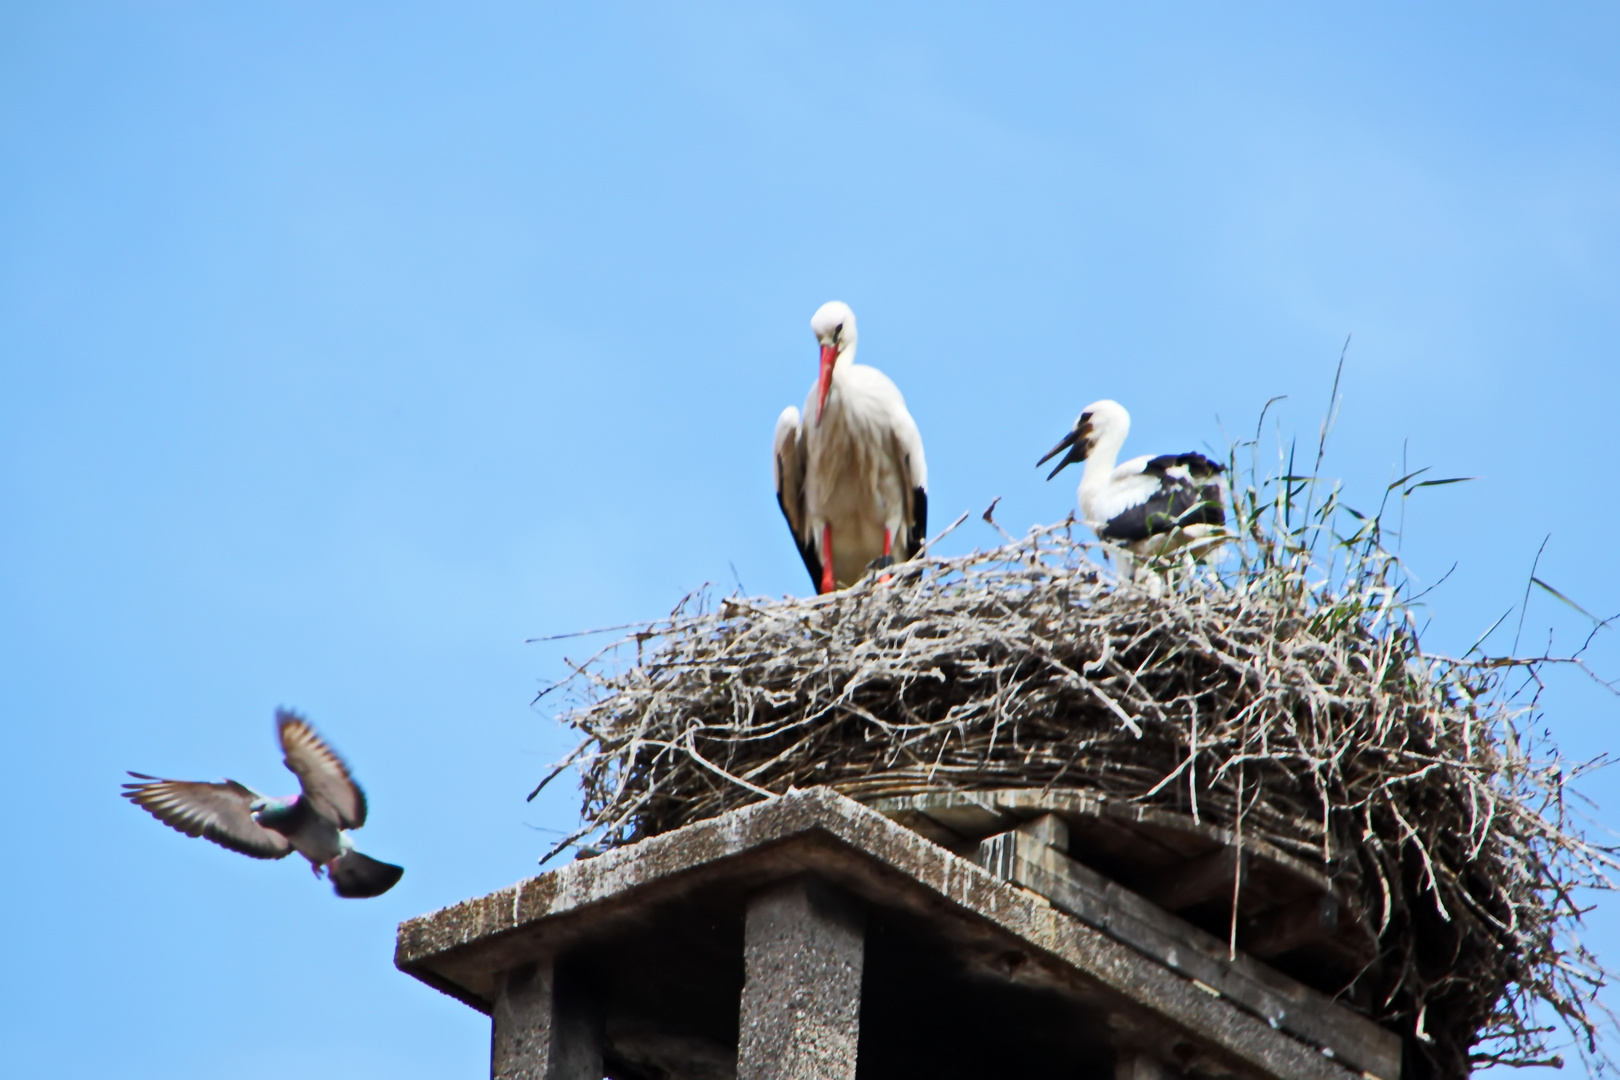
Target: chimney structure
x,y
809,937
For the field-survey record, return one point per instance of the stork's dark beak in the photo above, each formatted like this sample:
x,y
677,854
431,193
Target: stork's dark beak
x,y
1076,442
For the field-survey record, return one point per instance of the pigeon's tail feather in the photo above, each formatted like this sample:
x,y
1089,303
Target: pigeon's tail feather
x,y
357,876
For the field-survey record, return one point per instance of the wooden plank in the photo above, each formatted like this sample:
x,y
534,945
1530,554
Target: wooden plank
x,y
1165,856
1208,877
1049,829
1137,1066
964,813
1123,828
920,823
1309,921
1029,802
1144,846
1123,915
1106,840
970,818
1315,922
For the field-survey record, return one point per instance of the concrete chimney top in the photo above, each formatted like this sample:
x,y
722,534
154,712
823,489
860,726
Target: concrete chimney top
x,y
808,936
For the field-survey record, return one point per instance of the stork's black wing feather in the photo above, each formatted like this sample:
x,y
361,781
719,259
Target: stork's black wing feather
x,y
1198,466
787,450
918,532
807,551
1184,498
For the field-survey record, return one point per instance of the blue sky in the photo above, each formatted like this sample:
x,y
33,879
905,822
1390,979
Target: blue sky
x,y
344,347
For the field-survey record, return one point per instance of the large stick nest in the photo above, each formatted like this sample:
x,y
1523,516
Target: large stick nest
x,y
1308,717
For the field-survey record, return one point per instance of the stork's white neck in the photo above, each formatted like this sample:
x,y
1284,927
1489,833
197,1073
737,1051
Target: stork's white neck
x,y
1100,462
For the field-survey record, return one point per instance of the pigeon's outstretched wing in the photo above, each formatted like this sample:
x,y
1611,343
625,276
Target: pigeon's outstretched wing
x,y
322,774
218,812
356,876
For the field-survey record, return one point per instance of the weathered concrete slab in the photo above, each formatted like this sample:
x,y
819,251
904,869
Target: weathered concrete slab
x,y
684,895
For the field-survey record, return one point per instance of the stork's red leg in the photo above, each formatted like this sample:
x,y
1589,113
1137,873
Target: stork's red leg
x,y
888,547
828,582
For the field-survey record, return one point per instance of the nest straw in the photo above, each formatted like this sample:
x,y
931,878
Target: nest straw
x,y
1285,697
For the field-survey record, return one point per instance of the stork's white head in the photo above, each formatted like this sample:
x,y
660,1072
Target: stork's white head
x,y
834,324
834,327
1101,422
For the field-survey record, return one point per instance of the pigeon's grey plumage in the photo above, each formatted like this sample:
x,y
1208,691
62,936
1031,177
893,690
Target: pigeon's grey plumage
x,y
221,812
314,823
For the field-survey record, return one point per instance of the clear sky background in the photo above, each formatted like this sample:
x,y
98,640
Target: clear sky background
x,y
345,346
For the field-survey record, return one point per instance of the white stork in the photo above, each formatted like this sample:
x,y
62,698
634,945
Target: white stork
x,y
1149,505
850,476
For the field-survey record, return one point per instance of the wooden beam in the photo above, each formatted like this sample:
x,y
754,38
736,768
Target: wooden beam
x,y
1304,1013
1049,829
1312,920
920,823
804,950
1138,1066
1208,877
970,817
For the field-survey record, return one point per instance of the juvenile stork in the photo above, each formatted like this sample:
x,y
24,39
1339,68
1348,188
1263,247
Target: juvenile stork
x,y
850,474
1150,506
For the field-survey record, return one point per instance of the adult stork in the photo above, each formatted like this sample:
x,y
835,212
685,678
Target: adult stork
x,y
1150,506
850,474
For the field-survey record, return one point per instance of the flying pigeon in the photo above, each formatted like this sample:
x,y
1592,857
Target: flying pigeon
x,y
315,823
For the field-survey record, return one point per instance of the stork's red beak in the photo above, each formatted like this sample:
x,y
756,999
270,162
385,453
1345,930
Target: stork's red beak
x,y
829,357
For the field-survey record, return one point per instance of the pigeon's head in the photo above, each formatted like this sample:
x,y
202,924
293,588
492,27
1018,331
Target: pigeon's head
x,y
273,813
